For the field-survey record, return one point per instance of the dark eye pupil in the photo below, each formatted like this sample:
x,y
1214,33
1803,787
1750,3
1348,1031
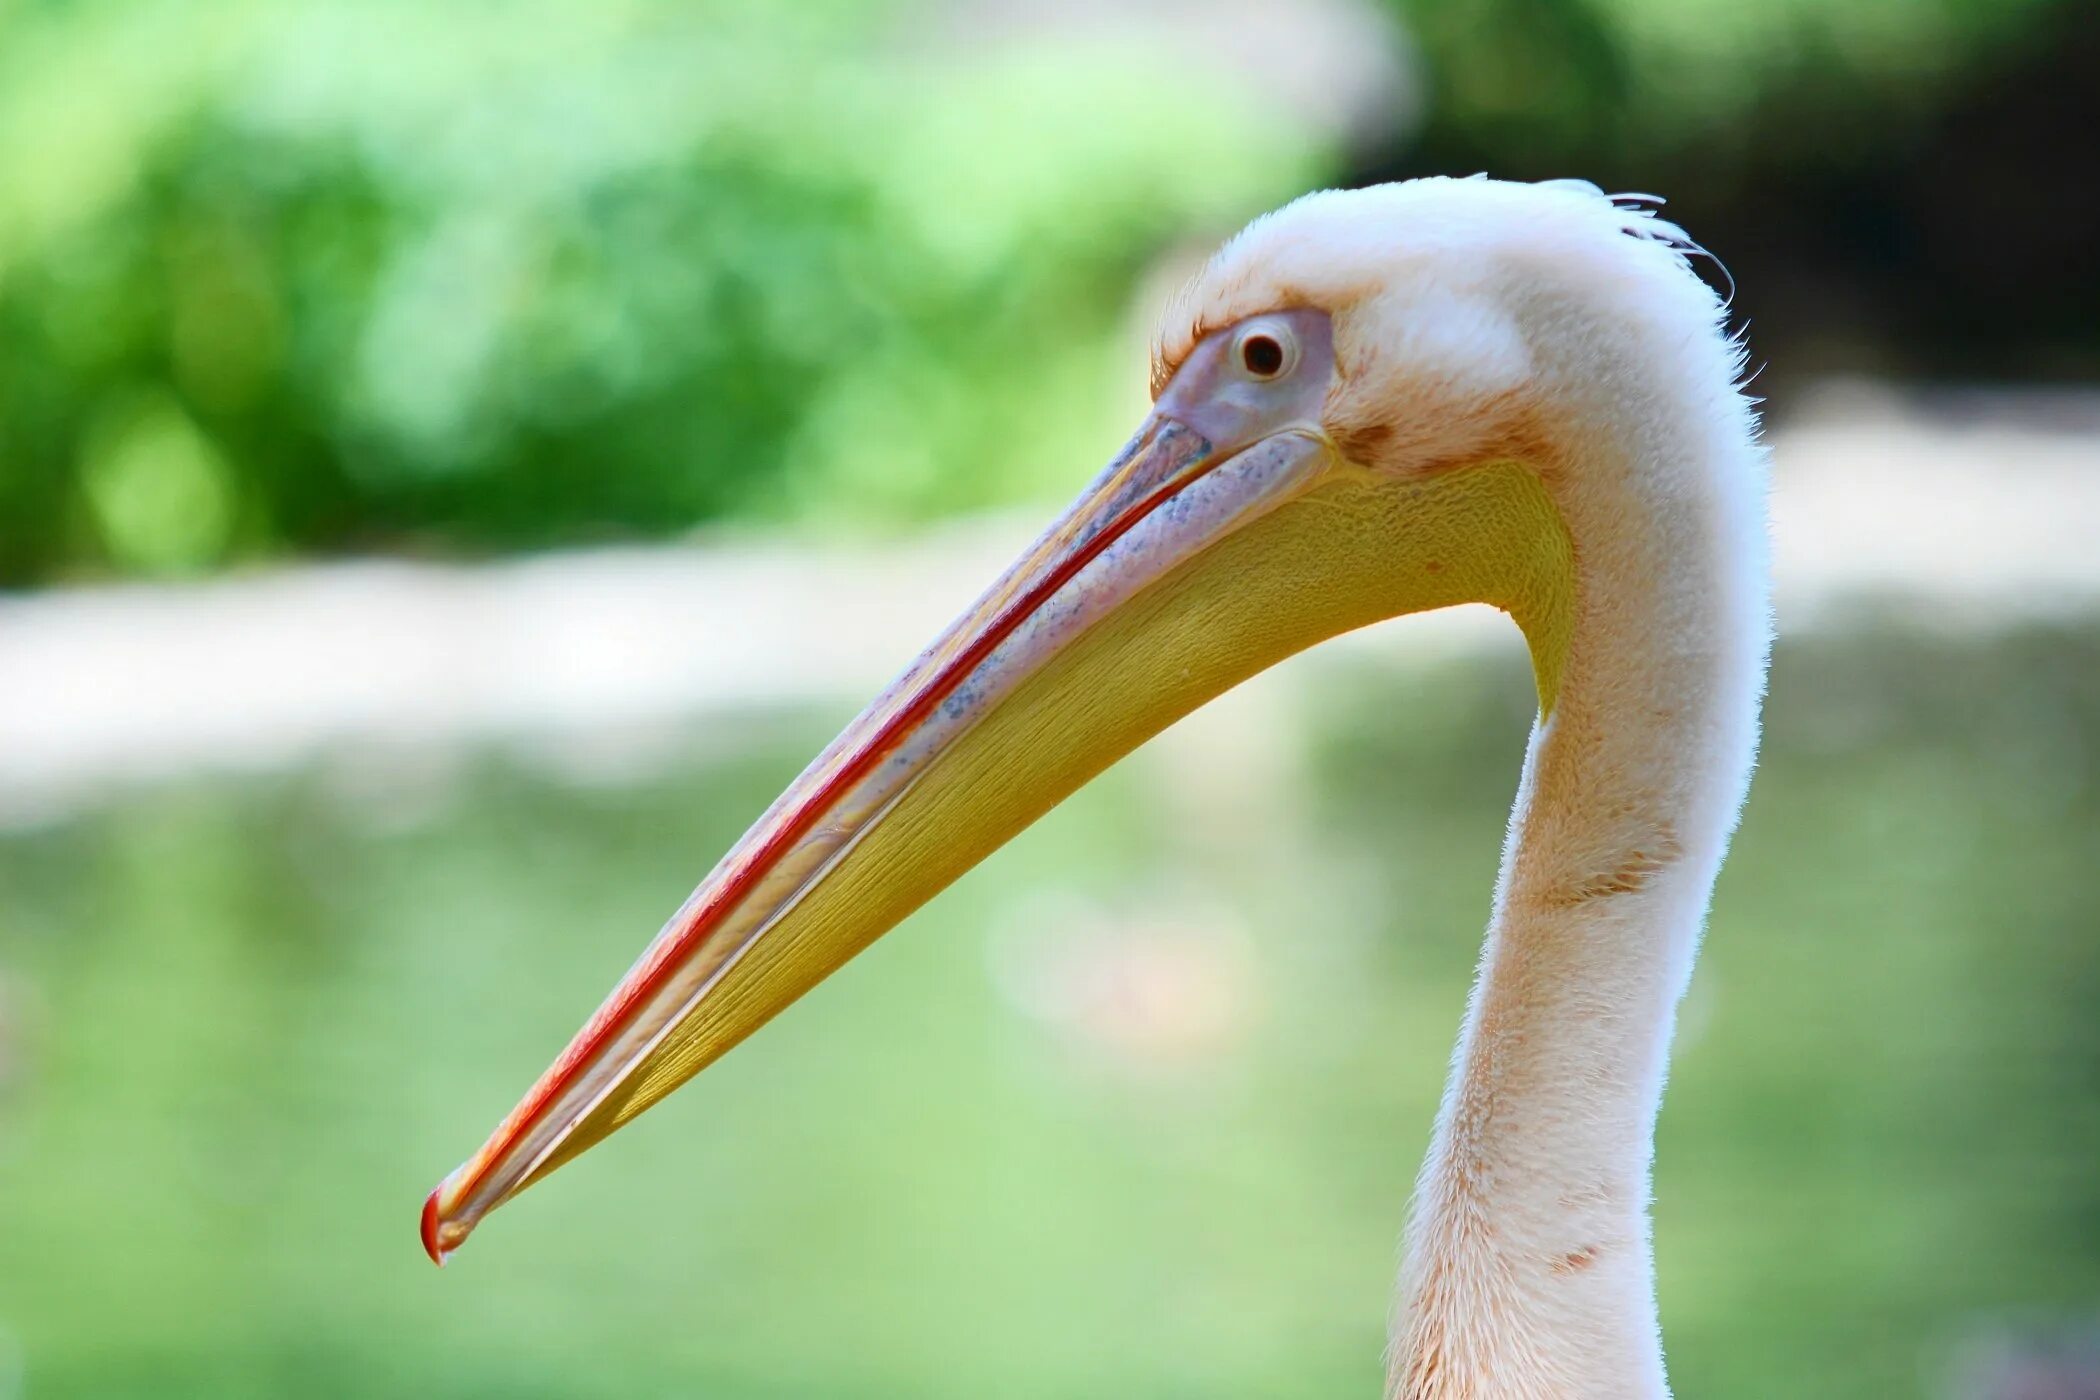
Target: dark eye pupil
x,y
1261,354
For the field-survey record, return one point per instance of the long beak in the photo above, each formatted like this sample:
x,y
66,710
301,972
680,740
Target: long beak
x,y
1227,535
1101,633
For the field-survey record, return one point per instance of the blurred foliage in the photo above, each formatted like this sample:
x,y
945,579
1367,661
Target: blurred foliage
x,y
1892,182
327,274
318,275
1573,82
247,1025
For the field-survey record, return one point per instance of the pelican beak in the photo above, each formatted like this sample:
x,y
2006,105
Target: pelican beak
x,y
1201,555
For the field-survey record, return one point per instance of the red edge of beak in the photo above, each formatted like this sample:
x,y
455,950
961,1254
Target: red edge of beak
x,y
700,922
431,1246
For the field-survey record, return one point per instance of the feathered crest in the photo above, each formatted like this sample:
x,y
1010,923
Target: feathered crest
x,y
1644,222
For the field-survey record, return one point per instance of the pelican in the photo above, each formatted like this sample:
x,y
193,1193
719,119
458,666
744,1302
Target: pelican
x,y
1369,403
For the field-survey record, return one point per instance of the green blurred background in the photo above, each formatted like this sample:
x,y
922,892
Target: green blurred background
x,y
1134,1109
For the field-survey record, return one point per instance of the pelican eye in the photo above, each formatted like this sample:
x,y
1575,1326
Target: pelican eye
x,y
1266,353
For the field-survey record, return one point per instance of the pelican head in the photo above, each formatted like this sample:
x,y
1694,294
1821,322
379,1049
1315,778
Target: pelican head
x,y
1369,403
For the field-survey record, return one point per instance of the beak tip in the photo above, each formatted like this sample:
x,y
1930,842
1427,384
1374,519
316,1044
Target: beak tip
x,y
435,1243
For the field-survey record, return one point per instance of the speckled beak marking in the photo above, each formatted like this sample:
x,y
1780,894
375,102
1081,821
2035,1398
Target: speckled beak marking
x,y
1100,634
